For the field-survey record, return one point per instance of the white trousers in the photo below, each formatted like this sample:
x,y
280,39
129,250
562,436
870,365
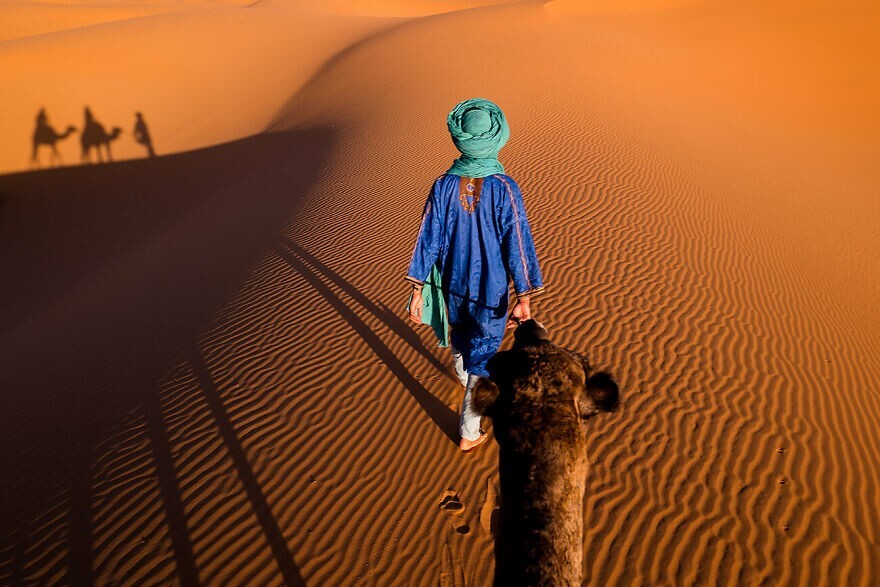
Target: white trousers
x,y
469,421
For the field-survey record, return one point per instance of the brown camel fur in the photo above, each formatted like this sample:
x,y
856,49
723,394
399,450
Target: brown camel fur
x,y
539,397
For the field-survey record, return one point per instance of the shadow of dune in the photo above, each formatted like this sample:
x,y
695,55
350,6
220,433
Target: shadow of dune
x,y
445,419
108,274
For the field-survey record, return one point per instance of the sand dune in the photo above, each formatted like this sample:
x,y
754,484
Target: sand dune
x,y
211,379
202,73
27,19
200,77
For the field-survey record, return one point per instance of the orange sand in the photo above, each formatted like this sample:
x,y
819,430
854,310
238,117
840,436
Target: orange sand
x,y
208,376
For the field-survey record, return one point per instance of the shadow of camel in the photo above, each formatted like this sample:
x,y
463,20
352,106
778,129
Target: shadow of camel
x,y
109,273
45,134
94,136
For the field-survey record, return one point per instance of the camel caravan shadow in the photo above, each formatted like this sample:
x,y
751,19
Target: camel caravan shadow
x,y
45,134
111,273
94,138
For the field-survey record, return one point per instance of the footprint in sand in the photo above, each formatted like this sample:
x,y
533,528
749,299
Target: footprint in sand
x,y
783,528
450,503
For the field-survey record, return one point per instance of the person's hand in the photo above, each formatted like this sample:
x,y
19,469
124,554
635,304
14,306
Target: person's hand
x,y
415,306
521,312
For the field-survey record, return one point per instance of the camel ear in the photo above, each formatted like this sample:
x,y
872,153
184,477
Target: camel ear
x,y
485,394
601,394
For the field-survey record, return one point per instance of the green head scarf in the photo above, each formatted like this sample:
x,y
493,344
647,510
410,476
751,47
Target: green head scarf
x,y
479,130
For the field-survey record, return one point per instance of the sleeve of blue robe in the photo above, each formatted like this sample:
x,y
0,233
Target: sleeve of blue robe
x,y
517,245
427,248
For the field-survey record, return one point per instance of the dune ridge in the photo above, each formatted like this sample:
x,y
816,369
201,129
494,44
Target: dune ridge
x,y
28,19
296,430
727,313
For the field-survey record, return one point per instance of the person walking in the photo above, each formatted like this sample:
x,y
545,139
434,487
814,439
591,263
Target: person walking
x,y
473,240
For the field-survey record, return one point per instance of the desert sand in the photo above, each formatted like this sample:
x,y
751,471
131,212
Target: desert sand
x,y
208,375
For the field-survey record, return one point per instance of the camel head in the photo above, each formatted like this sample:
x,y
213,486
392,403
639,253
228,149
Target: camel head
x,y
539,396
536,374
115,133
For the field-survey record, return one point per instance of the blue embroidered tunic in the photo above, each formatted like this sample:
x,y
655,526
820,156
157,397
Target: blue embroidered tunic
x,y
477,232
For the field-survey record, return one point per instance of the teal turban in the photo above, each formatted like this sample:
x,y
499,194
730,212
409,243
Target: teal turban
x,y
479,130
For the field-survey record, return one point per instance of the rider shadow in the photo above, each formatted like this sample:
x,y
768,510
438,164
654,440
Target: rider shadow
x,y
95,136
445,419
92,324
46,135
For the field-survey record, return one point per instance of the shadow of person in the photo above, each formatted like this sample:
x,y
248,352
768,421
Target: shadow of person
x,y
444,418
82,353
95,136
44,134
247,476
142,134
378,309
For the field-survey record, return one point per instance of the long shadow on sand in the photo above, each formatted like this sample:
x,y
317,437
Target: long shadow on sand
x,y
380,311
246,475
443,417
109,273
172,503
